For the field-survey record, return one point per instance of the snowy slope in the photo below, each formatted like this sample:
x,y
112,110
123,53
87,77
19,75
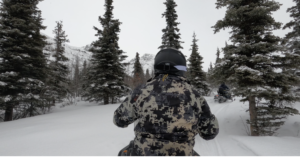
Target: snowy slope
x,y
147,62
82,130
87,130
234,141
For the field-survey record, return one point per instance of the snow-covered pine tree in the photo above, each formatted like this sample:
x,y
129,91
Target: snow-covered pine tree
x,y
82,75
292,39
107,71
22,62
76,79
210,77
138,72
218,60
210,68
197,75
171,33
85,80
225,50
58,77
215,76
253,63
84,69
47,94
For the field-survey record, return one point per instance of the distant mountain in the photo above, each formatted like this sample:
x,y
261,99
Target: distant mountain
x,y
71,53
147,62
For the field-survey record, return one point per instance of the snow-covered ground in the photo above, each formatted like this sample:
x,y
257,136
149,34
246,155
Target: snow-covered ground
x,y
87,130
234,141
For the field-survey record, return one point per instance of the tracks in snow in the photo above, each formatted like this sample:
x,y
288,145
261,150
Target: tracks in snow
x,y
212,147
224,144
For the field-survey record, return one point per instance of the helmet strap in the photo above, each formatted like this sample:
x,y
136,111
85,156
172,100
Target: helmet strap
x,y
165,77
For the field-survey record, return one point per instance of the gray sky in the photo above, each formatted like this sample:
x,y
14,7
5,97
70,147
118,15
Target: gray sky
x,y
142,23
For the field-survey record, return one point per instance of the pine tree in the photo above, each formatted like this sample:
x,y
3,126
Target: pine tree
x,y
252,63
293,36
107,72
22,62
147,76
138,72
58,78
171,35
76,78
211,78
188,73
84,79
216,76
81,77
211,67
197,75
292,41
218,60
84,69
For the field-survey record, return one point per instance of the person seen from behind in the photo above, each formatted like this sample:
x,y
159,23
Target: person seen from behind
x,y
223,89
169,112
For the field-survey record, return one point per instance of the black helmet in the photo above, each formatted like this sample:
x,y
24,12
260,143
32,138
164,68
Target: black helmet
x,y
170,61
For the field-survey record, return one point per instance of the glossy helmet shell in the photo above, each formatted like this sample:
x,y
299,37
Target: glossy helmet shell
x,y
170,61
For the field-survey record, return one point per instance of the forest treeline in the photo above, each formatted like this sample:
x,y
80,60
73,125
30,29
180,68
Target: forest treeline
x,y
257,65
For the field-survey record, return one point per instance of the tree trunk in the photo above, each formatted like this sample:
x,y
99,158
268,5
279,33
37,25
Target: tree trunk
x,y
112,100
106,99
253,116
9,112
31,114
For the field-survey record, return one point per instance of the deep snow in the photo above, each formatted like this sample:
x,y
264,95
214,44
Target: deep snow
x,y
87,130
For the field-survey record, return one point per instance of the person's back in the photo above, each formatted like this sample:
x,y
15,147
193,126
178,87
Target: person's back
x,y
223,89
223,86
169,114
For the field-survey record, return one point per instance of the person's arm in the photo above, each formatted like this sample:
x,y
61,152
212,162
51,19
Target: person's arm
x,y
226,87
208,127
126,114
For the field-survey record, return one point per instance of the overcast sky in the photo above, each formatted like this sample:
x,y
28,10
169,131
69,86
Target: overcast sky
x,y
142,23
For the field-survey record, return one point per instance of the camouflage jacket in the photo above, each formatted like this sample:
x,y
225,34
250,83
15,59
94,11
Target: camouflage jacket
x,y
169,113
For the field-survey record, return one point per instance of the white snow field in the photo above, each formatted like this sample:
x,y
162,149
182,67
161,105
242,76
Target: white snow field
x,y
87,130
